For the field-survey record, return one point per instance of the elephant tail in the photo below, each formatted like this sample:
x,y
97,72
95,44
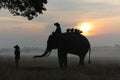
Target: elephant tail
x,y
89,55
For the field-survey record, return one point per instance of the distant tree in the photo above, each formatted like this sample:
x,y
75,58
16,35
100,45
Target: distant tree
x,y
117,45
25,8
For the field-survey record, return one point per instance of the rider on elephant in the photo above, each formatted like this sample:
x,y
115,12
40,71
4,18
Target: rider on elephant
x,y
58,29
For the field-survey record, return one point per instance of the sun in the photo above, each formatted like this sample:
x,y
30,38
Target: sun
x,y
85,28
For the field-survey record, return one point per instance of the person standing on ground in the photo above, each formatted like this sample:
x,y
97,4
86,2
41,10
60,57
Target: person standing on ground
x,y
17,55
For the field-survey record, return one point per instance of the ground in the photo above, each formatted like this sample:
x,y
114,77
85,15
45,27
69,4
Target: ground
x,y
102,68
30,69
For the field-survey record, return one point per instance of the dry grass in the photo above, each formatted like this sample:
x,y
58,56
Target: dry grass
x,y
47,69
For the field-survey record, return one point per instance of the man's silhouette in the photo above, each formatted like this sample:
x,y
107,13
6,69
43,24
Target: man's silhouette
x,y
58,29
17,55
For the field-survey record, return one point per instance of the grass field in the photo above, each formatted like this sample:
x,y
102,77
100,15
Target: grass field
x,y
47,69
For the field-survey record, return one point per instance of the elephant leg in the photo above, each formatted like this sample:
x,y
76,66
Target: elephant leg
x,y
62,57
81,60
82,57
65,60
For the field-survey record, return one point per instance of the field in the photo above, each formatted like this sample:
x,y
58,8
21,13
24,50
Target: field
x,y
104,66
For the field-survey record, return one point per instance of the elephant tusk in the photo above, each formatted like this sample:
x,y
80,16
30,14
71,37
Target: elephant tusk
x,y
48,53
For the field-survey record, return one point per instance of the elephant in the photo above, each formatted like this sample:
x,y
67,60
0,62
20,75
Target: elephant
x,y
67,43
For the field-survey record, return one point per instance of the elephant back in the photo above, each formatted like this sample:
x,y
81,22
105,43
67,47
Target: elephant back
x,y
70,34
73,40
73,31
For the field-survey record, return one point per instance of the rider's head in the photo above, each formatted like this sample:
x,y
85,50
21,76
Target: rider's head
x,y
57,24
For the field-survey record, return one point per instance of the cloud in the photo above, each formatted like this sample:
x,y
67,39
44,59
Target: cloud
x,y
8,18
113,2
76,10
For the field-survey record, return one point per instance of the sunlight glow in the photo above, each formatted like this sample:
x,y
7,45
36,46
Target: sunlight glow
x,y
85,28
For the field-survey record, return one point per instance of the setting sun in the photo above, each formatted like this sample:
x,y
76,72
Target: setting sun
x,y
85,28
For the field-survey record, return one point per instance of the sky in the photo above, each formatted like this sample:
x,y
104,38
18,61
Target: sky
x,y
102,15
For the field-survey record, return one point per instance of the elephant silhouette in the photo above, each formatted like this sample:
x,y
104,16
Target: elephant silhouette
x,y
68,43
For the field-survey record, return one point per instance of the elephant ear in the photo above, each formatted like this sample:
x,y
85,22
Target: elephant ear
x,y
52,41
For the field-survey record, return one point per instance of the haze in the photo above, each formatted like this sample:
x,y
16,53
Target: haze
x,y
102,14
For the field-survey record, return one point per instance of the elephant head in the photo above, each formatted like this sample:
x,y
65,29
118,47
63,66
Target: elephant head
x,y
51,44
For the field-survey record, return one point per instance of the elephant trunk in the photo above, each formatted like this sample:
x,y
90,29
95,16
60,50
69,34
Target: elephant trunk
x,y
89,55
45,54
